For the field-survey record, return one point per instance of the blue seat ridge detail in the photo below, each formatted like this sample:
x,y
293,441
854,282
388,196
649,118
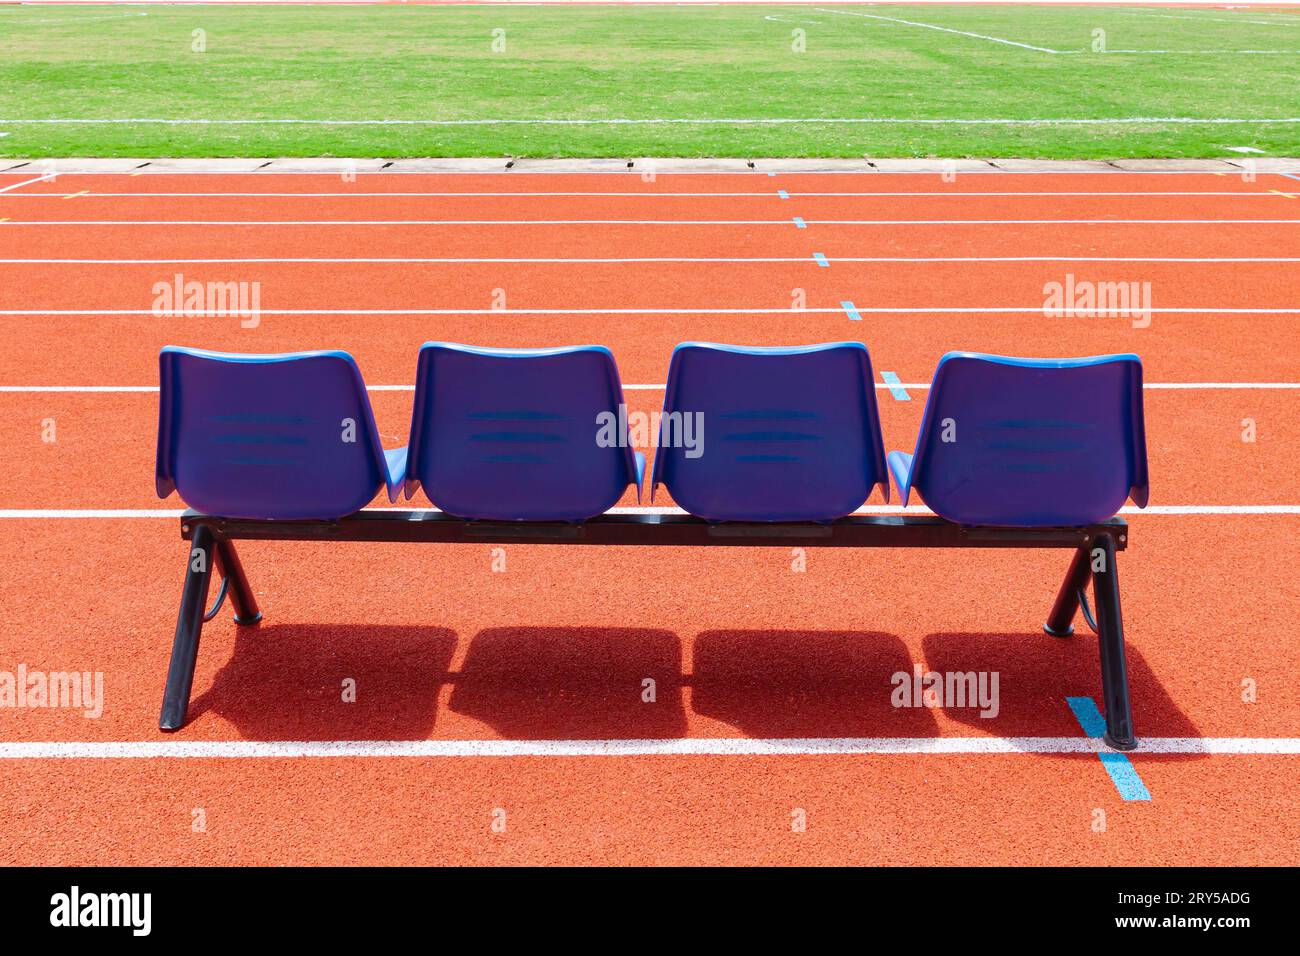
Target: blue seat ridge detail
x,y
268,436
1029,442
790,434
512,434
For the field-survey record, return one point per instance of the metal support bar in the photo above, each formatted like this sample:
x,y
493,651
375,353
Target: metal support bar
x,y
241,595
216,535
185,646
1110,640
1067,599
855,531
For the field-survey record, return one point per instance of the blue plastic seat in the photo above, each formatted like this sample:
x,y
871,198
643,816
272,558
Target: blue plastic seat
x,y
274,437
515,434
789,434
1029,442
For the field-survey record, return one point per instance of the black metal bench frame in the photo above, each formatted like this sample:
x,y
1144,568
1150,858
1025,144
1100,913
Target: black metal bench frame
x,y
1094,546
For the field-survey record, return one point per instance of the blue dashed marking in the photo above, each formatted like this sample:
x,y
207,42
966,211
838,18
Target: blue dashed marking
x,y
895,386
821,260
783,194
1122,772
851,310
800,223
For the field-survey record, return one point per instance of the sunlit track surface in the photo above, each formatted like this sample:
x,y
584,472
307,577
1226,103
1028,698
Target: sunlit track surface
x,y
522,690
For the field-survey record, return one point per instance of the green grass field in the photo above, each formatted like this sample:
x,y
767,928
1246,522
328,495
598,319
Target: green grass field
x,y
701,63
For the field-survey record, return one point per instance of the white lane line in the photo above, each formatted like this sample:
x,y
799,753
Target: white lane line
x,y
462,261
93,388
630,222
104,513
401,260
1172,511
1219,385
1169,511
899,310
25,182
649,387
686,121
517,171
677,747
1116,194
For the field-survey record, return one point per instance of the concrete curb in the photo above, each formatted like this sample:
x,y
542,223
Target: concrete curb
x,y
645,165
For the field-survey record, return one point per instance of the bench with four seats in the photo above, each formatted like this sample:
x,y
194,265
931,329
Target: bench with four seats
x,y
1012,453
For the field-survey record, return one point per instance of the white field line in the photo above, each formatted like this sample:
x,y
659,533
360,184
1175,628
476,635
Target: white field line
x,y
1027,46
1288,21
1169,511
678,747
788,223
1194,52
899,310
648,387
769,194
120,16
931,26
809,260
684,121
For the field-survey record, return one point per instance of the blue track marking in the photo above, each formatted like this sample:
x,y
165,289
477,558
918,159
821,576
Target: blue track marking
x,y
1122,772
895,386
1289,176
800,223
783,194
851,310
820,259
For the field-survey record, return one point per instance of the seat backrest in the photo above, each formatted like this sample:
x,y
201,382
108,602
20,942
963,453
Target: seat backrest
x,y
1032,442
789,434
266,436
516,434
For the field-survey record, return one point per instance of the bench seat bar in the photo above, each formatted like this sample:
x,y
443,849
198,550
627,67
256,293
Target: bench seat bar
x,y
430,526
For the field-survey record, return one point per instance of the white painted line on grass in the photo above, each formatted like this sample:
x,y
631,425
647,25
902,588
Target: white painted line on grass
x,y
120,16
686,121
675,747
931,26
1195,52
1027,46
1294,21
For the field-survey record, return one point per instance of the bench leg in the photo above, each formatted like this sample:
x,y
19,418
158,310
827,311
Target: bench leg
x,y
241,595
1110,627
1067,599
185,647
